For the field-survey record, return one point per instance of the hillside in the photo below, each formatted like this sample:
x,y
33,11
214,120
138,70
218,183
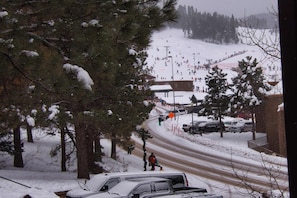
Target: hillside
x,y
261,21
187,59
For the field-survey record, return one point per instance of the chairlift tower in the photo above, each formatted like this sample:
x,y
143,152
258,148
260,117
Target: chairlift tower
x,y
208,64
166,47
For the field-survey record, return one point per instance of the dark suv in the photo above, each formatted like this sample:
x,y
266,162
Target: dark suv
x,y
211,126
192,127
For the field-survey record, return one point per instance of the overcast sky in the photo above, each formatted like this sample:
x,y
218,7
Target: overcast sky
x,y
239,8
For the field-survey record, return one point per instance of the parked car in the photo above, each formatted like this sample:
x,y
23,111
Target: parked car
x,y
229,123
192,127
144,188
165,116
211,126
103,182
242,126
137,188
194,109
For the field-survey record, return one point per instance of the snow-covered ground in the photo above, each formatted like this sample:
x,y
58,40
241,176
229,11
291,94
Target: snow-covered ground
x,y
172,54
41,176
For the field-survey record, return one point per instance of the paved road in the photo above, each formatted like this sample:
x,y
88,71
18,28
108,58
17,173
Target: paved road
x,y
213,167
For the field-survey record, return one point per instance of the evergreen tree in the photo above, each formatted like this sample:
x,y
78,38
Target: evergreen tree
x,y
209,27
89,59
248,88
6,143
216,102
194,100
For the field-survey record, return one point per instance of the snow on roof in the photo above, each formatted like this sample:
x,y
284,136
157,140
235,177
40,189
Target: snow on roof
x,y
161,87
182,97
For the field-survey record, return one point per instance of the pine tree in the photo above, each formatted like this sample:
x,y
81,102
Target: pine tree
x,y
105,40
213,28
248,88
194,100
216,102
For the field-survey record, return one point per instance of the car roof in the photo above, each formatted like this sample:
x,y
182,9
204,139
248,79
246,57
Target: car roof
x,y
125,186
99,179
101,175
147,179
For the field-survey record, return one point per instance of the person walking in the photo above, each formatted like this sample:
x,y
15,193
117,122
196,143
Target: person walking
x,y
130,149
160,120
159,165
152,161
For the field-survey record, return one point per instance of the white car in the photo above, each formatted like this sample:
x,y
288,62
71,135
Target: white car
x,y
231,122
242,126
105,181
138,188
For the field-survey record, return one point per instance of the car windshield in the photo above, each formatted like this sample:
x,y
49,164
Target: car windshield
x,y
123,188
202,124
94,183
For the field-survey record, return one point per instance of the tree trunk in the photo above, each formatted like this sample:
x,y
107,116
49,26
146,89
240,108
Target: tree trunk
x,y
221,123
144,153
18,158
63,150
82,152
91,149
29,133
113,154
113,147
98,152
253,122
71,136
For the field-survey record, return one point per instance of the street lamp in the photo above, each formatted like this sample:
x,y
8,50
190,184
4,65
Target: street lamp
x,y
173,84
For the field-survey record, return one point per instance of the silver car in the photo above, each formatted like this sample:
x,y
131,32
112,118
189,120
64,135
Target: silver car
x,y
242,126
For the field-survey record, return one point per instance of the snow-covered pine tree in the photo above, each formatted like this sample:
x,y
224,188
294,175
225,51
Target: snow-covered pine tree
x,y
87,56
216,102
248,88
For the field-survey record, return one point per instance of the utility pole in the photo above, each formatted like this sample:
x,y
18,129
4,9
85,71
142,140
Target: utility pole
x,y
167,47
173,85
208,64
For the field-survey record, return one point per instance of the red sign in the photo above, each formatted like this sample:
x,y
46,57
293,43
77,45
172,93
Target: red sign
x,y
171,115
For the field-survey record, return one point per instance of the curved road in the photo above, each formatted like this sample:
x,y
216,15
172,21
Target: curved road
x,y
234,171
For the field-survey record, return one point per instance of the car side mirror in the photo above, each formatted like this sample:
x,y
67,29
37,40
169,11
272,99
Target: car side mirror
x,y
104,188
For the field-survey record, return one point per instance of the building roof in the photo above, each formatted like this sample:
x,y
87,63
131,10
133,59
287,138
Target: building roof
x,y
160,88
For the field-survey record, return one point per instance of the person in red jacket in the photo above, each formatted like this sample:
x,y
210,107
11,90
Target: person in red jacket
x,y
152,161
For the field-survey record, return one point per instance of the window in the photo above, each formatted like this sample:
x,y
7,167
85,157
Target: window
x,y
177,181
142,189
162,187
110,183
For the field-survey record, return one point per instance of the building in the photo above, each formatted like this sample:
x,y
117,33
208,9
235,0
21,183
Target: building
x,y
178,85
270,120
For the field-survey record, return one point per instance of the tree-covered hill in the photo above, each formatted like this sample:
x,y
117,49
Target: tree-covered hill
x,y
214,28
